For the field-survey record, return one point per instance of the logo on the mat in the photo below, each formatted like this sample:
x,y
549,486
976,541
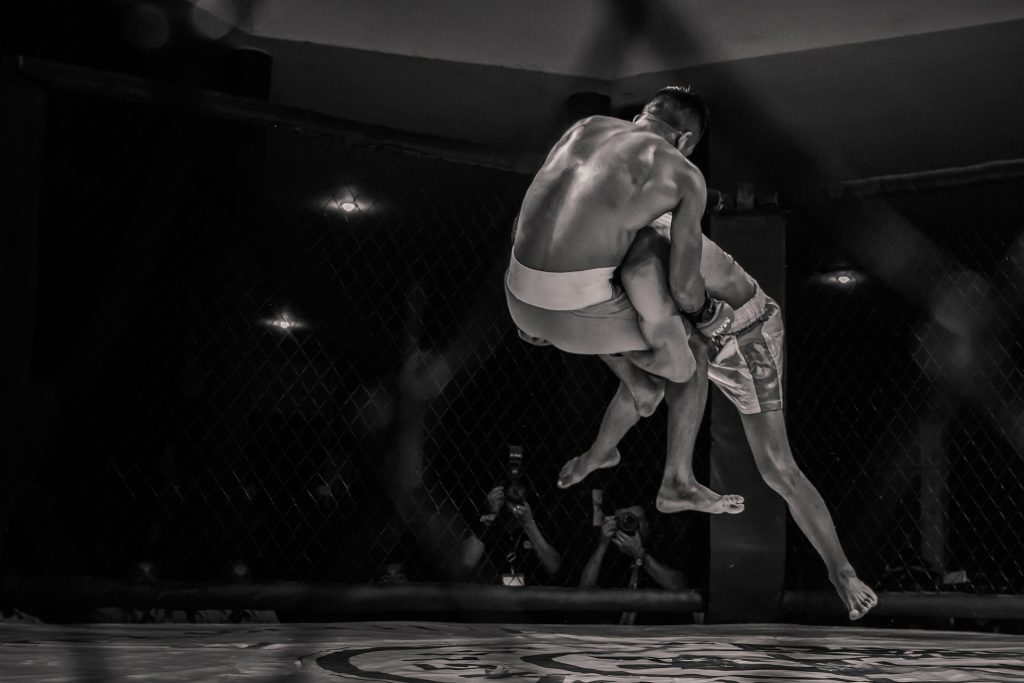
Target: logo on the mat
x,y
654,659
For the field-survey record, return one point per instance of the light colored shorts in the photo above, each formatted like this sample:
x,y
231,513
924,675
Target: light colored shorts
x,y
606,324
748,365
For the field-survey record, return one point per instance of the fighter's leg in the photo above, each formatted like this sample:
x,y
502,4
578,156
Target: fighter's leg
x,y
646,389
645,278
766,433
638,395
679,489
644,275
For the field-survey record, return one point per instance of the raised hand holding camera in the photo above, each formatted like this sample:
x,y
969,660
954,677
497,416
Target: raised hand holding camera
x,y
495,499
629,544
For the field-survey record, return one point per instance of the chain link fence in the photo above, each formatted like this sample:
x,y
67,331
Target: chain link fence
x,y
905,321
264,345
258,320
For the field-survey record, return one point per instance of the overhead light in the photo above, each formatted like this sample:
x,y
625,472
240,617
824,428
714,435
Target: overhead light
x,y
283,322
350,201
347,205
840,279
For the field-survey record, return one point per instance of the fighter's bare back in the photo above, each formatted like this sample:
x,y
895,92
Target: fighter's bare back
x,y
604,180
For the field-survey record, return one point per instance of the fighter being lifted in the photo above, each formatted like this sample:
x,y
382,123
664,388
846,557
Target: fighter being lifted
x,y
570,281
746,364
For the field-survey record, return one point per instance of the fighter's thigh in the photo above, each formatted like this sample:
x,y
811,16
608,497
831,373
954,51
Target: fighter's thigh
x,y
766,434
747,367
644,276
769,444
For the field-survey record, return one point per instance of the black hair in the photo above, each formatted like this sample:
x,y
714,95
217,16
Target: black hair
x,y
685,99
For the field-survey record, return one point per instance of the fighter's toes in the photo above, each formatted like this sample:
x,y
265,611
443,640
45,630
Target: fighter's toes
x,y
577,469
567,475
860,610
860,599
731,504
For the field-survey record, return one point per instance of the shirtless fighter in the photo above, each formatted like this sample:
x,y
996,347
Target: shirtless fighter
x,y
746,364
601,183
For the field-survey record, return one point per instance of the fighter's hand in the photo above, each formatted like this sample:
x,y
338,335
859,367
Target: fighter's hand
x,y
630,545
716,320
496,498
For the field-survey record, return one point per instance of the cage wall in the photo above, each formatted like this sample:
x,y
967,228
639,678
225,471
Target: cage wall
x,y
236,323
262,344
904,324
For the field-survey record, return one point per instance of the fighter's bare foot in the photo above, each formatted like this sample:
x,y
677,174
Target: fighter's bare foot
x,y
855,594
577,469
698,498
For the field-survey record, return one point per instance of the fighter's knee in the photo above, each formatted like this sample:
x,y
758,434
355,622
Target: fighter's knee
x,y
679,370
651,241
640,268
781,477
649,250
648,402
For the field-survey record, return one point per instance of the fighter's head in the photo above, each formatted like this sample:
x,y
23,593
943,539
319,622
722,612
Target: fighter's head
x,y
679,115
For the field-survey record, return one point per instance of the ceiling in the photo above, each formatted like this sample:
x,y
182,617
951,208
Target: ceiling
x,y
839,89
600,39
858,87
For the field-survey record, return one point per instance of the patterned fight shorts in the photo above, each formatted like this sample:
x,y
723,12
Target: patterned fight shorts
x,y
748,365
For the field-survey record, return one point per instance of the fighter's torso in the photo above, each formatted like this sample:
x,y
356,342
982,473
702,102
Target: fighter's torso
x,y
604,180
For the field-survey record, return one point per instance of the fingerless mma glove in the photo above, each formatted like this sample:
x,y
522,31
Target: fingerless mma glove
x,y
713,318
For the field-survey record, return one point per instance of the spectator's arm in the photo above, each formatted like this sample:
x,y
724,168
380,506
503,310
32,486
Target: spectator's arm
x,y
474,545
549,558
593,567
588,579
471,552
668,578
665,576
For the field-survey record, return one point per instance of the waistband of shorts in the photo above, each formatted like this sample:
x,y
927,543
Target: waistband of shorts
x,y
749,313
568,291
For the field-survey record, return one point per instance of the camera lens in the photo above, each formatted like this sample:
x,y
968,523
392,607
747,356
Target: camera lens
x,y
627,523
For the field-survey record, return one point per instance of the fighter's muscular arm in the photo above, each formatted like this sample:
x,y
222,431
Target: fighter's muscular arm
x,y
686,283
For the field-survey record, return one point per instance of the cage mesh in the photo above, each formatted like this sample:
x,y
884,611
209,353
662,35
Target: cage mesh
x,y
905,392
291,350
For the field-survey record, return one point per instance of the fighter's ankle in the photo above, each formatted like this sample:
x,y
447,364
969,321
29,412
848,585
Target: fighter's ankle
x,y
841,574
681,482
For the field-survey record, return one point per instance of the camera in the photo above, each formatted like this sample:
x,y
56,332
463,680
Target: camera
x,y
515,491
627,523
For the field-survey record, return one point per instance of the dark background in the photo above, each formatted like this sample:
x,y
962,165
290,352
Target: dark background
x,y
161,419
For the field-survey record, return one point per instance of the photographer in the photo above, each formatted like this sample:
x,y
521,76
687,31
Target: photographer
x,y
506,545
632,566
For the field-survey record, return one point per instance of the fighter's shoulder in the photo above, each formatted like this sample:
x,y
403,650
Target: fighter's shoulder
x,y
687,174
607,120
600,121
